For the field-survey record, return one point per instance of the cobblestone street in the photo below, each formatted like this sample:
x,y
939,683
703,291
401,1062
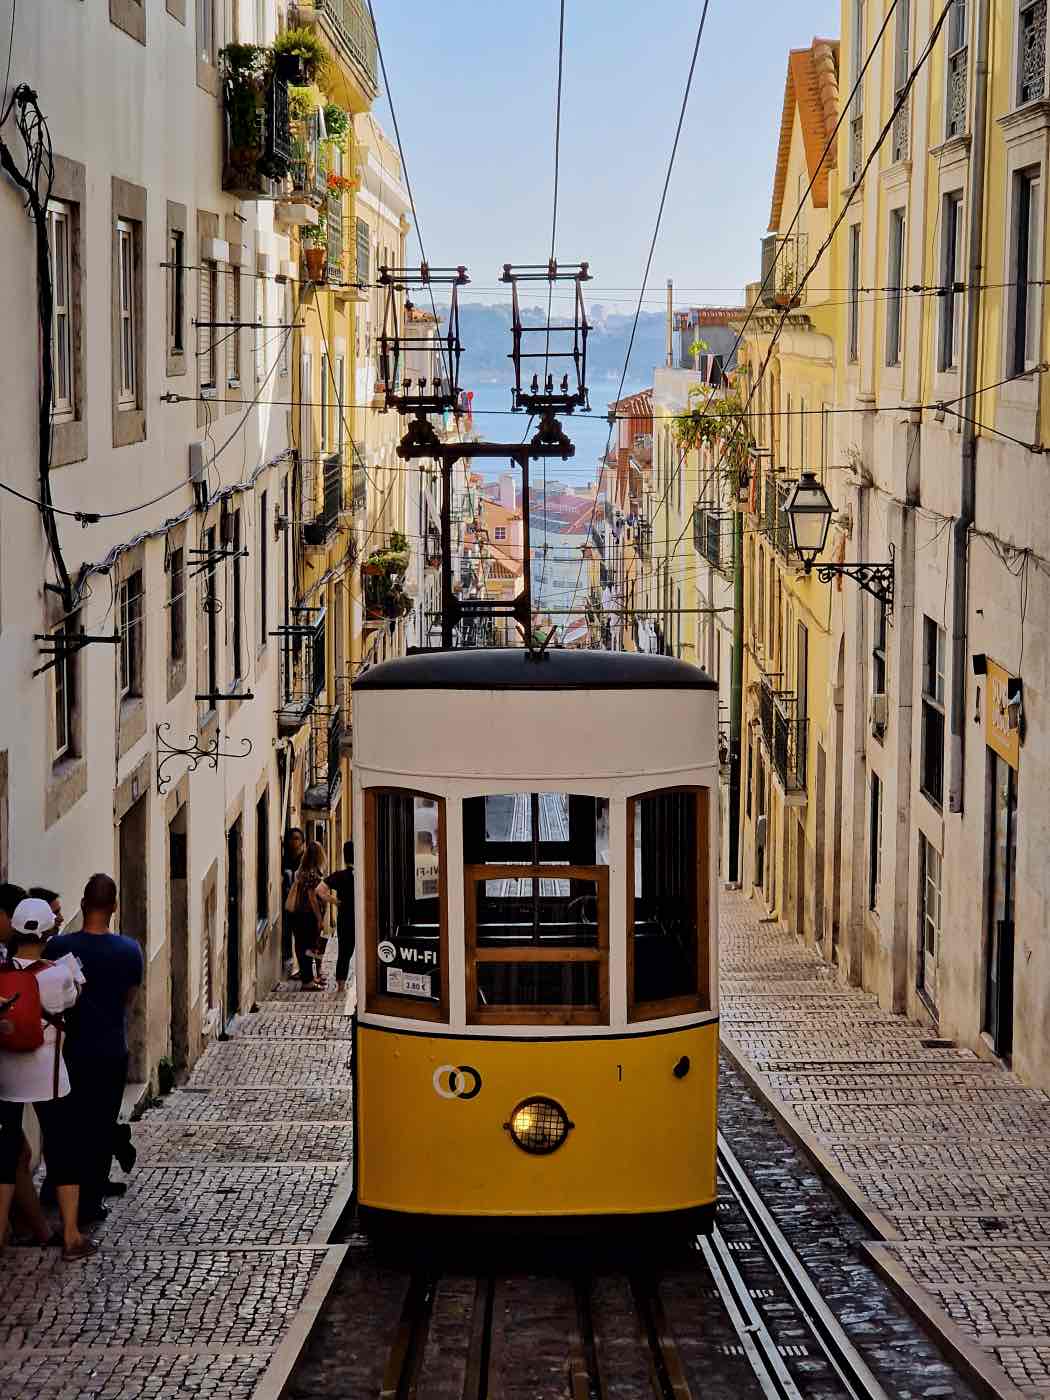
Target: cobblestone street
x,y
944,1153
213,1262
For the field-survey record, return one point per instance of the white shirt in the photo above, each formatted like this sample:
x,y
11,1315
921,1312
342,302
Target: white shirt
x,y
29,1076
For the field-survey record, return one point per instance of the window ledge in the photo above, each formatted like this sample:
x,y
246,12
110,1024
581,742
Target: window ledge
x,y
67,783
131,722
130,16
952,149
1025,121
129,426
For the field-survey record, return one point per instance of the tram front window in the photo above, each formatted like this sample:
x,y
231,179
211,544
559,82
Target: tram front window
x,y
536,900
667,894
406,957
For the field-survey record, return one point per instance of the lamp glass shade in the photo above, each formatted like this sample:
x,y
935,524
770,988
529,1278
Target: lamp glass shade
x,y
809,514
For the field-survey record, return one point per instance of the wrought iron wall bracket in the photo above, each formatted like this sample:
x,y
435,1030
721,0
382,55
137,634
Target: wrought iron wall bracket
x,y
876,579
193,753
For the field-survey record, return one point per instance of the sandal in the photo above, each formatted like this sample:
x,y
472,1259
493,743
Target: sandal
x,y
84,1250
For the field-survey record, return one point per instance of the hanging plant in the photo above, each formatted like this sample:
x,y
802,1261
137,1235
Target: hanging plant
x,y
300,54
716,419
303,102
336,122
314,235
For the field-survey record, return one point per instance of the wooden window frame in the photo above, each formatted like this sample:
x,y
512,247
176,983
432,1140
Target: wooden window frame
x,y
380,1003
701,999
510,1015
127,355
60,216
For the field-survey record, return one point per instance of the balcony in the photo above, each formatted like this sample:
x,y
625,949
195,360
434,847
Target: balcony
x,y
323,775
334,212
302,669
359,489
856,147
784,264
309,184
257,138
713,536
902,129
322,507
643,539
775,524
785,734
348,28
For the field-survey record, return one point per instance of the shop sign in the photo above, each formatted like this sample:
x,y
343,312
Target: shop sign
x,y
1001,722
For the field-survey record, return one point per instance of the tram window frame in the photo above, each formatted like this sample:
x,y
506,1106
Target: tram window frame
x,y
405,1008
514,1014
700,999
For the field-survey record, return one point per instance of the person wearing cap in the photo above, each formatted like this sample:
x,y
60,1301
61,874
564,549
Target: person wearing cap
x,y
40,1077
11,897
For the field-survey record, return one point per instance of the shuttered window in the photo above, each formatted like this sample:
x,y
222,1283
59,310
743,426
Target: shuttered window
x,y
364,254
205,328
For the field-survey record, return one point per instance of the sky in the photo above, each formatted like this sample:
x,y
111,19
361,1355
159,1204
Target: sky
x,y
473,87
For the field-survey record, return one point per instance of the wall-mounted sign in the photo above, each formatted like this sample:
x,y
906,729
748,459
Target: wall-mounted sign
x,y
1001,719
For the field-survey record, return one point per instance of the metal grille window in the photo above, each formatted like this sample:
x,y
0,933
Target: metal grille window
x,y
233,335
931,763
127,396
1026,264
856,125
131,622
177,605
207,299
853,310
895,302
1031,51
951,305
60,238
957,89
901,65
176,292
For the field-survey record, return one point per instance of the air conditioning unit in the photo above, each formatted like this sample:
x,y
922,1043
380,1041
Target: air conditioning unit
x,y
878,712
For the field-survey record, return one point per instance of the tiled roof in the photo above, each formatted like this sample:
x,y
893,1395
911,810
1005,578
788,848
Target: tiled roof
x,y
635,405
813,89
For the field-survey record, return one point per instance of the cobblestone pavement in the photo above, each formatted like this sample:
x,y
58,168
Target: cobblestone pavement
x,y
945,1153
221,1247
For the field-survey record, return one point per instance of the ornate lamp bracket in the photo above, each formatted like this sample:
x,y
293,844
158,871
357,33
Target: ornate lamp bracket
x,y
876,579
193,753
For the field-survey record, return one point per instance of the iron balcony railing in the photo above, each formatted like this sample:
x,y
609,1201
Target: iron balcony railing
x,y
785,734
308,179
323,507
713,535
350,26
784,263
335,239
643,539
359,489
257,142
775,523
324,750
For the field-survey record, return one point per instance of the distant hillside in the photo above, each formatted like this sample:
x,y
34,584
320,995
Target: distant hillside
x,y
486,335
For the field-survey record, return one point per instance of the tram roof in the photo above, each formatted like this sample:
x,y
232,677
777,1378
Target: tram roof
x,y
512,668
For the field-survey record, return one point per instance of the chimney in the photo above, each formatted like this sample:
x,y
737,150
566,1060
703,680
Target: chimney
x,y
670,324
508,494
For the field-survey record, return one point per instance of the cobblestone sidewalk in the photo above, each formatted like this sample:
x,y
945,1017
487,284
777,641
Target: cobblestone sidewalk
x,y
212,1265
945,1154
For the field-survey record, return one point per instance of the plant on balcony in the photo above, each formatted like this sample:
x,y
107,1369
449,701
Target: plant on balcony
x,y
247,78
300,55
716,419
314,238
303,101
383,577
336,122
339,184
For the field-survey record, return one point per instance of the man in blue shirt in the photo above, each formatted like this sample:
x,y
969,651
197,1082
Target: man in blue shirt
x,y
96,1033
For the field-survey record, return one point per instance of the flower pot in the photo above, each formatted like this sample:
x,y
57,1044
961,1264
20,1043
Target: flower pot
x,y
372,570
314,256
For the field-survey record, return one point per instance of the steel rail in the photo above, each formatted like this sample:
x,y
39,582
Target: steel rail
x,y
844,1358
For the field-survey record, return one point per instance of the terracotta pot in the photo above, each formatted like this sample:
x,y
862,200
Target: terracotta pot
x,y
314,256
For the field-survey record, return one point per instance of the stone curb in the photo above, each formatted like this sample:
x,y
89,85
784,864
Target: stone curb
x,y
271,1384
985,1372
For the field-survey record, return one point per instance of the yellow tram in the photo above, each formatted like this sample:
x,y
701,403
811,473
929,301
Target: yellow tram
x,y
537,1022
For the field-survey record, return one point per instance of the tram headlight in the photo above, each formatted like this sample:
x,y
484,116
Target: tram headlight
x,y
538,1125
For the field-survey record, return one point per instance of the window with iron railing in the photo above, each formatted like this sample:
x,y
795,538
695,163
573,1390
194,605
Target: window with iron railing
x,y
956,72
1031,51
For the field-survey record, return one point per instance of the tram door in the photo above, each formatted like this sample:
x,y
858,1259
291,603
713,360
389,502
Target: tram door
x,y
999,988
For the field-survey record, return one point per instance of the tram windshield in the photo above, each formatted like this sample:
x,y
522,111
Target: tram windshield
x,y
536,905
668,950
405,894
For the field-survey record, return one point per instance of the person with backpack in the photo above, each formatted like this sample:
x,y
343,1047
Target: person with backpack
x,y
35,995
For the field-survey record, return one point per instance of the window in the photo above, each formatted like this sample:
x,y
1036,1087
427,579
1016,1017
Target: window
x,y
787,433
929,917
62,692
206,39
364,254
406,948
208,283
131,622
500,532
176,292
854,292
237,598
210,605
668,935
325,399
536,908
878,651
233,335
895,302
177,605
340,404
875,843
60,243
901,67
285,368
956,93
262,859
1025,344
260,311
127,274
761,629
306,421
931,775
1031,51
952,263
263,581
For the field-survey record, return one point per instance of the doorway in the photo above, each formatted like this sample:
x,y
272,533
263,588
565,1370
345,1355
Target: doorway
x,y
761,822
1002,860
132,916
234,904
178,941
820,782
800,878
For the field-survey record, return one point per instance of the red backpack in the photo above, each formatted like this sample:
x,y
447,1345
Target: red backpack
x,y
21,1012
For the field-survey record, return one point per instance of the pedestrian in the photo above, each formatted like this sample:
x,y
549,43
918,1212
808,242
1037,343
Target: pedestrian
x,y
306,905
39,1076
26,1202
97,1040
342,882
11,897
294,845
54,899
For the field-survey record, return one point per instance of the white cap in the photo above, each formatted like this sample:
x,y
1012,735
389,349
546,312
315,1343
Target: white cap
x,y
33,916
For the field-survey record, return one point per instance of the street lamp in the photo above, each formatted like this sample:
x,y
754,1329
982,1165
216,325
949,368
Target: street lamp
x,y
809,511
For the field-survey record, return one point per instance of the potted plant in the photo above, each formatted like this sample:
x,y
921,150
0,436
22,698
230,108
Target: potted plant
x,y
336,122
339,184
299,55
250,159
314,238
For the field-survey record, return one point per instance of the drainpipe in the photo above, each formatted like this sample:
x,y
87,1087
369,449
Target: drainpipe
x,y
968,470
670,324
736,699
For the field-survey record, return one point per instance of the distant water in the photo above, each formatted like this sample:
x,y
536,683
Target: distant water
x,y
589,433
